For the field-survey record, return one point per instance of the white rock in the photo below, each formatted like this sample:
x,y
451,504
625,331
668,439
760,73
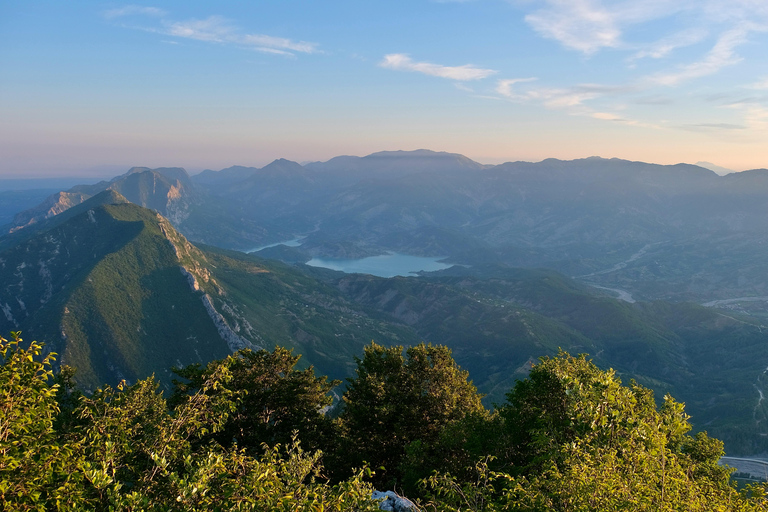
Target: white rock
x,y
393,502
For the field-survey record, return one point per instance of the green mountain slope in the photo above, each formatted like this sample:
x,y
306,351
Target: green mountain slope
x,y
104,288
120,294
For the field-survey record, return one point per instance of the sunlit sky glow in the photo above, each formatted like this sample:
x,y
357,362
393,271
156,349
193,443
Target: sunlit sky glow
x,y
93,87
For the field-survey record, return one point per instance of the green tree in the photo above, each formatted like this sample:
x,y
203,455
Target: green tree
x,y
273,399
36,470
396,399
584,442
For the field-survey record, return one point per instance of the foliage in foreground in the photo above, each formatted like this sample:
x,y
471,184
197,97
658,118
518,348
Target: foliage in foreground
x,y
571,437
124,449
579,440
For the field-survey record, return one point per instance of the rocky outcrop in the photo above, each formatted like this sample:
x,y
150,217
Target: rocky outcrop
x,y
393,502
53,205
168,191
234,341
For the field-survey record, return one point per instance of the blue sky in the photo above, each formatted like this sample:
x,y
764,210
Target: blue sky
x,y
96,87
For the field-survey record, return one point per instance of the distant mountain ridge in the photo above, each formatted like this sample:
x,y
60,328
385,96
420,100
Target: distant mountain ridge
x,y
639,227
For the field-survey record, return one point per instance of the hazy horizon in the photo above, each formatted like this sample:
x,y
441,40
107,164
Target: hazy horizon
x,y
107,172
90,88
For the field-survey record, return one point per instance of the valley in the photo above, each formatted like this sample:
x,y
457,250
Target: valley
x,y
133,276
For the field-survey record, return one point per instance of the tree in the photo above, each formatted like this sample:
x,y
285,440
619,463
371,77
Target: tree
x,y
35,468
397,399
273,399
586,442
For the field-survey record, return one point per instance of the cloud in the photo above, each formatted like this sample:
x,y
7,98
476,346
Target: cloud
x,y
278,43
721,55
713,31
591,25
402,62
504,87
131,10
212,29
557,98
755,117
550,97
573,100
714,126
577,24
761,84
217,29
667,45
606,116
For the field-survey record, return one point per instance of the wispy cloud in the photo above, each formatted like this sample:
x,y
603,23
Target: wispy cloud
x,y
755,116
761,84
467,72
131,10
220,30
554,97
278,43
463,87
504,87
665,46
590,25
721,55
578,24
713,126
550,97
215,29
573,100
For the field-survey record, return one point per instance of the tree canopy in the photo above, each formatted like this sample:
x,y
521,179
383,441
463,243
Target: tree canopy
x,y
398,397
272,399
570,437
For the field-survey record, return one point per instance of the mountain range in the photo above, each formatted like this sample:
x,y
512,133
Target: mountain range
x,y
133,276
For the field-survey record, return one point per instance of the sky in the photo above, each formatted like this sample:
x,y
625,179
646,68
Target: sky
x,y
93,88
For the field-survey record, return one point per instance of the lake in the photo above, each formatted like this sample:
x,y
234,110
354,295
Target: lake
x,y
290,243
384,265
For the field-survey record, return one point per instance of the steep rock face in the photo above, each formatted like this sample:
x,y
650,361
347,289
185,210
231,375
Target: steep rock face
x,y
169,191
53,205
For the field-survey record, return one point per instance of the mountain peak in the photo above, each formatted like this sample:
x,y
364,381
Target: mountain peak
x,y
722,171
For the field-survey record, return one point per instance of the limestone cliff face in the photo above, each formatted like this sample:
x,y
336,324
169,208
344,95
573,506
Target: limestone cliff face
x,y
167,191
53,205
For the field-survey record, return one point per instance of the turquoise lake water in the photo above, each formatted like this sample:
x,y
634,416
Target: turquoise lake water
x,y
385,265
290,243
